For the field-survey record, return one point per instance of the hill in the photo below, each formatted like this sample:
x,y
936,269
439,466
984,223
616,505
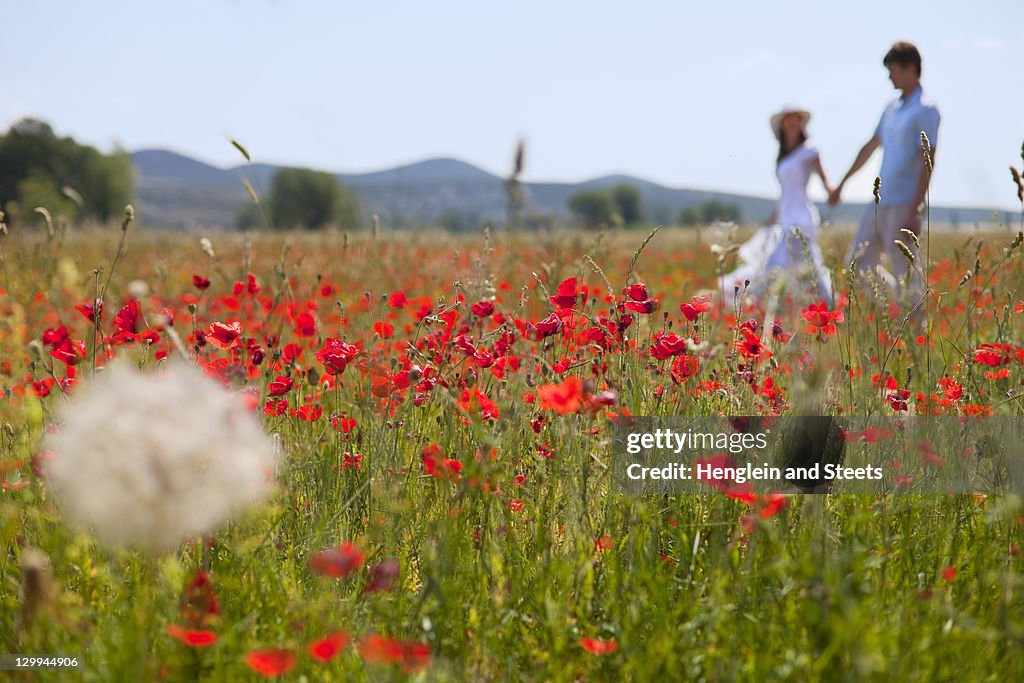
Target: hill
x,y
180,192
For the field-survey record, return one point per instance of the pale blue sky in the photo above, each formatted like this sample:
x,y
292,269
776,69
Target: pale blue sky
x,y
679,93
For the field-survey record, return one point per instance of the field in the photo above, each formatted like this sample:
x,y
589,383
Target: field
x,y
442,505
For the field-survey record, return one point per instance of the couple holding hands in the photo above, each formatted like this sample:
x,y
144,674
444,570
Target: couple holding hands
x,y
787,245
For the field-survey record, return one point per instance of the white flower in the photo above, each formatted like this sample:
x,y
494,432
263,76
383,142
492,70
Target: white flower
x,y
139,289
154,459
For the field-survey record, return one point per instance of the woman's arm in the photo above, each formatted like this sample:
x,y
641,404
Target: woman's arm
x,y
821,172
862,157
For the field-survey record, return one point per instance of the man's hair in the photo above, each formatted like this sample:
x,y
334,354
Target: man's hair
x,y
903,53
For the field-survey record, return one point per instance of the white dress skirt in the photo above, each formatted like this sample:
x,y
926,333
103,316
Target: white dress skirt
x,y
777,251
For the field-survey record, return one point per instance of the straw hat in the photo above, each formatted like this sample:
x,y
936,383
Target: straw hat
x,y
776,120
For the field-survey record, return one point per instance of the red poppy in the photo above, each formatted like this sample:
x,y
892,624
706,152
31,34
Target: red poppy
x,y
993,354
305,325
326,649
598,647
310,412
820,320
337,562
275,408
697,305
929,456
224,335
126,322
382,576
515,505
42,387
546,327
343,424
336,355
751,347
562,398
55,336
952,389
890,381
291,352
637,292
191,637
713,471
904,479
412,656
779,333
69,351
667,344
749,498
436,465
771,504
149,336
90,310
200,600
200,282
568,294
482,309
897,400
684,367
271,663
644,306
483,358
470,400
949,573
281,386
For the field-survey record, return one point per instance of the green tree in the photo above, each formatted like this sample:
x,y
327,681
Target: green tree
x,y
593,207
37,168
303,198
248,217
715,210
628,203
708,212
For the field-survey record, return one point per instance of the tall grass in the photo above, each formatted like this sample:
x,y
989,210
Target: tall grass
x,y
506,568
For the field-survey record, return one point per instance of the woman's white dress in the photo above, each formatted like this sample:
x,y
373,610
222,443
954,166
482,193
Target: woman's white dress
x,y
777,250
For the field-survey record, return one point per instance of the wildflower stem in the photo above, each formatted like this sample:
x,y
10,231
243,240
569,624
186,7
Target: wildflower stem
x,y
96,310
129,216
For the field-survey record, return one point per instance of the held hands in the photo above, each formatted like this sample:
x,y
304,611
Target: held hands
x,y
833,195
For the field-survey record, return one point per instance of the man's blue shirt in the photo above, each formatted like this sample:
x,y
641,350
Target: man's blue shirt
x,y
899,131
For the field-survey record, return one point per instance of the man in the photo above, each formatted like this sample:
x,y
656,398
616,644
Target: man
x,y
904,175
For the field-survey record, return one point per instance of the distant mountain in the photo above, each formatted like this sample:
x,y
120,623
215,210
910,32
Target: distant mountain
x,y
159,166
176,191
430,170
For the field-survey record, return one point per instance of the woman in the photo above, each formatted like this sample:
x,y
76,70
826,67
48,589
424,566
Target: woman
x,y
777,249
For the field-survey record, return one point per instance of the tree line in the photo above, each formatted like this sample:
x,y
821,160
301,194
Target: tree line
x,y
40,169
622,204
302,198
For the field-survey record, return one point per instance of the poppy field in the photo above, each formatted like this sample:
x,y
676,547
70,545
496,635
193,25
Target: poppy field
x,y
433,499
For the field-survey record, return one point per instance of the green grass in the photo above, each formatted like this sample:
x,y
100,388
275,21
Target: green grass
x,y
833,588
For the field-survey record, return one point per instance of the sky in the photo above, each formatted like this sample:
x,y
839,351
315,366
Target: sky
x,y
678,93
